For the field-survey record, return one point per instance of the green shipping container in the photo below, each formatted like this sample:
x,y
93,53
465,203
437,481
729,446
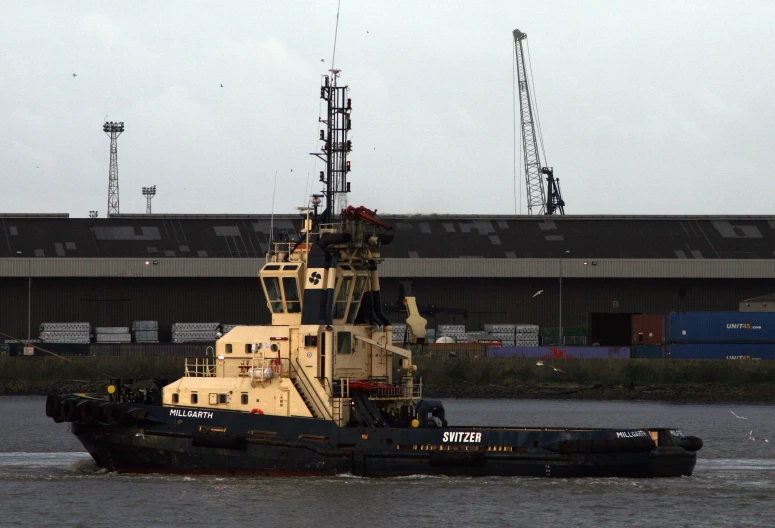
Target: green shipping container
x,y
647,352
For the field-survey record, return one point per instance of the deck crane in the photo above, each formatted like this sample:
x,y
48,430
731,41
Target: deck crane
x,y
539,200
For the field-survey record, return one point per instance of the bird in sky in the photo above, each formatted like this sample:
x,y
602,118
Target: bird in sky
x,y
74,75
322,60
222,85
539,292
736,416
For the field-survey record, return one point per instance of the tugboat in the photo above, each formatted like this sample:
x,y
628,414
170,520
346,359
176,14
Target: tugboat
x,y
323,390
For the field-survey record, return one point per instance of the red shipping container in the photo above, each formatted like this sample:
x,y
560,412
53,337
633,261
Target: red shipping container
x,y
648,329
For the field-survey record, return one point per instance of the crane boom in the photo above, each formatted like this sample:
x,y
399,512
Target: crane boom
x,y
537,202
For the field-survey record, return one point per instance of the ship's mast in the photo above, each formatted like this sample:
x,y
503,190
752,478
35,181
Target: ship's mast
x,y
336,146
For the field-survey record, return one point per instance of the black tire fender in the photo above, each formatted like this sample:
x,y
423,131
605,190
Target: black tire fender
x,y
115,414
88,411
52,405
67,410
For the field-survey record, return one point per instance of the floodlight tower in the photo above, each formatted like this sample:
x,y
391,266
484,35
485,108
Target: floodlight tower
x,y
149,193
113,129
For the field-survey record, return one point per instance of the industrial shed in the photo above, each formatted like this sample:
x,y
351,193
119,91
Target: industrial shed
x,y
174,268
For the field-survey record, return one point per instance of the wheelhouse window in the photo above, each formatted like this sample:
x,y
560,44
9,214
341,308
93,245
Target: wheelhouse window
x,y
283,292
360,285
342,297
228,348
291,289
194,398
273,294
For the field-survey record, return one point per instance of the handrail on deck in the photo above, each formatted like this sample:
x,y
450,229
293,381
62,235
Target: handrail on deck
x,y
313,395
200,366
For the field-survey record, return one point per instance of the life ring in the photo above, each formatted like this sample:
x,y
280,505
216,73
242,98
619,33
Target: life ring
x,y
256,411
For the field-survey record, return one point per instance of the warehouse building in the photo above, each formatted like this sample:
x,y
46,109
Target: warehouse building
x,y
573,271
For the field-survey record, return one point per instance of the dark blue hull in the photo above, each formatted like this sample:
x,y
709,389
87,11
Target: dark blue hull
x,y
152,439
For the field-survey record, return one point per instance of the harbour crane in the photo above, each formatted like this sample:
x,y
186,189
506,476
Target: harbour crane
x,y
540,200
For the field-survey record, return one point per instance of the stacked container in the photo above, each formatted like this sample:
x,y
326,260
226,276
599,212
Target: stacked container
x,y
226,328
145,331
188,332
112,334
722,335
521,335
78,333
648,336
456,332
399,333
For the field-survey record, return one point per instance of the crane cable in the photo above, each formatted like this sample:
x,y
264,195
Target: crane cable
x,y
535,105
56,355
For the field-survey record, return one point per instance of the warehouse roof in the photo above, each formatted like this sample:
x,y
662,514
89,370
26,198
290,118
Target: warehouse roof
x,y
417,237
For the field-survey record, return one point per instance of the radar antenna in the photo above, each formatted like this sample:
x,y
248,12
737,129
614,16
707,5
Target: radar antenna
x,y
336,146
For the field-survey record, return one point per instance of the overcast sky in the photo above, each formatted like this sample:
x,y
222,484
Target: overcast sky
x,y
646,107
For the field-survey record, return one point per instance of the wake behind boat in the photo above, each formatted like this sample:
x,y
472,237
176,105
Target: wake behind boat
x,y
323,390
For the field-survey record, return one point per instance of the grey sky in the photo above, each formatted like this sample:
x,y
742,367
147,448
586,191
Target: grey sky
x,y
646,107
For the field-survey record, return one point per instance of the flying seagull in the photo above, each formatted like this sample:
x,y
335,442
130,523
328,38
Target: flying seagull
x,y
322,60
540,363
736,416
74,75
556,369
539,292
221,85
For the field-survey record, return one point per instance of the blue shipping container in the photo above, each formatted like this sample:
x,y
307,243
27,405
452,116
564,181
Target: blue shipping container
x,y
573,352
739,351
722,327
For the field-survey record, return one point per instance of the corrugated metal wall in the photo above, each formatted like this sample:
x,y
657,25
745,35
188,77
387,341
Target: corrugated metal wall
x,y
118,301
513,301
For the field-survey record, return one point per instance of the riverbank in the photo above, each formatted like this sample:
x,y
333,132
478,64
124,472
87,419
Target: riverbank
x,y
647,380
683,381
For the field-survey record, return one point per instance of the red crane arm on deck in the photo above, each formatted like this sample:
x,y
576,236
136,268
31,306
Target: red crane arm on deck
x,y
367,215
